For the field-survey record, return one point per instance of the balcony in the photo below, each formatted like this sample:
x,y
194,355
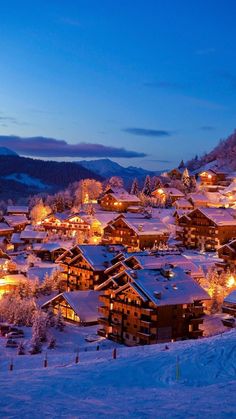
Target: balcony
x,y
103,310
103,320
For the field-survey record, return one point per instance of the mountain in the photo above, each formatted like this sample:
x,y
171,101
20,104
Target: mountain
x,y
223,156
108,168
21,176
4,151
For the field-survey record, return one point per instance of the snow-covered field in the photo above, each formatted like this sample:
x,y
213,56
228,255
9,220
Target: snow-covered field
x,y
140,383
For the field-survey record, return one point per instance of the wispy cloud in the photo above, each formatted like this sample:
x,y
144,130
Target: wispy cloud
x,y
147,132
6,120
51,147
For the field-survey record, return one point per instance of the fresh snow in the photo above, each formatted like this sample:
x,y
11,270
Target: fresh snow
x,y
140,383
27,180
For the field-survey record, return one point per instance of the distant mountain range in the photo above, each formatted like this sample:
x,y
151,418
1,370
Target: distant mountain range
x,y
108,168
4,151
21,177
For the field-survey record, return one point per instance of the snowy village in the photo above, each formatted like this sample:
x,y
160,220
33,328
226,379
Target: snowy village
x,y
142,266
117,209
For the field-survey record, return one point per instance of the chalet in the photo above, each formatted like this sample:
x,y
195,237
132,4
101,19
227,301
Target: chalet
x,y
176,173
227,252
135,232
207,228
17,222
83,266
213,177
165,194
183,204
198,199
229,304
5,230
118,200
148,306
17,210
79,306
29,236
65,223
48,251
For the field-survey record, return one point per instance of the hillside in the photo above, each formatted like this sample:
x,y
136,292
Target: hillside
x,y
223,156
22,176
108,168
140,383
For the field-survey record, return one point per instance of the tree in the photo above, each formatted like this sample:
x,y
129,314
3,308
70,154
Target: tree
x,y
186,180
39,212
21,349
40,326
147,189
116,182
181,165
135,187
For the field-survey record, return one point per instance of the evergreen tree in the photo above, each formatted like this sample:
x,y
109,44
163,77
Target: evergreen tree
x,y
135,187
147,189
181,165
186,180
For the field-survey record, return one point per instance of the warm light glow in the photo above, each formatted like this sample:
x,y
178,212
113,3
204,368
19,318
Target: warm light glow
x,y
160,191
231,281
209,176
115,203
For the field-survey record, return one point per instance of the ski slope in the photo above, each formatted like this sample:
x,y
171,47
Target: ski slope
x,y
140,383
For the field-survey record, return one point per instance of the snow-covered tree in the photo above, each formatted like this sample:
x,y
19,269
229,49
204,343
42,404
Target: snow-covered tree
x,y
135,187
186,180
39,212
147,188
116,182
40,326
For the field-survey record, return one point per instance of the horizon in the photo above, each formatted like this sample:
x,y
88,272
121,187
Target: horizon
x,y
145,86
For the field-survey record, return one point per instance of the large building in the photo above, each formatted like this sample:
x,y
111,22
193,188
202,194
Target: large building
x,y
136,232
83,266
119,200
147,306
206,228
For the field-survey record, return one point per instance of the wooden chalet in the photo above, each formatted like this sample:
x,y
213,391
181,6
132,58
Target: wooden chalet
x,y
135,232
118,200
214,177
68,224
229,304
165,194
227,252
83,266
48,251
16,222
18,210
79,307
147,306
206,228
183,204
5,230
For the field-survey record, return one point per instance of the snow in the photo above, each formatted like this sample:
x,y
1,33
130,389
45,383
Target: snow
x,y
140,383
231,298
27,180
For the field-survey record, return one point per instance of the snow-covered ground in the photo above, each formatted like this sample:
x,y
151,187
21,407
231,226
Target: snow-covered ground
x,y
141,383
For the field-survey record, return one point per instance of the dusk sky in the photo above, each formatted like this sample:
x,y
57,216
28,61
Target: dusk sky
x,y
147,83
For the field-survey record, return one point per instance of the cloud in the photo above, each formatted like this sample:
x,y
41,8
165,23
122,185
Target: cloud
x,y
6,120
51,147
158,161
207,128
147,132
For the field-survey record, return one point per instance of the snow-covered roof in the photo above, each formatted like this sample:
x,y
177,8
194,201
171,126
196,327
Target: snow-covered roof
x,y
5,227
14,220
99,256
145,226
84,303
179,288
32,234
15,238
50,247
220,216
39,272
17,209
231,298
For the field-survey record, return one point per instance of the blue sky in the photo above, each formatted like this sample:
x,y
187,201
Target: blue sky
x,y
155,80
